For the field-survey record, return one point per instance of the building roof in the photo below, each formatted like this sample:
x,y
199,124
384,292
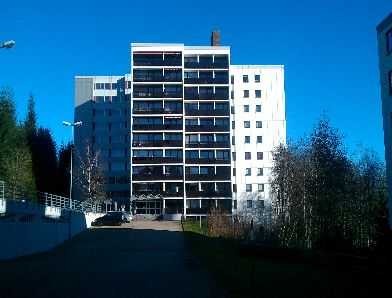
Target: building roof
x,y
385,23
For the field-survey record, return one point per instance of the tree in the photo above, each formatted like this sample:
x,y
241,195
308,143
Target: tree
x,y
63,170
89,176
30,123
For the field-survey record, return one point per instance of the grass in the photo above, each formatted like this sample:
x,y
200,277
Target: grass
x,y
246,276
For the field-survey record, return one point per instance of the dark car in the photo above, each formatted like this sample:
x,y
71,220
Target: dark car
x,y
114,218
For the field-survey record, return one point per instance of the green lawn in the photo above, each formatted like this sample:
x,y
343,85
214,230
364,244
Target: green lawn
x,y
244,276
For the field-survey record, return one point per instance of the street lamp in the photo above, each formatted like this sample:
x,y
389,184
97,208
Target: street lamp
x,y
7,44
72,125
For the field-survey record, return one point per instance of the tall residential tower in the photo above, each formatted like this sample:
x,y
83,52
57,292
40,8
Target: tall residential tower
x,y
196,131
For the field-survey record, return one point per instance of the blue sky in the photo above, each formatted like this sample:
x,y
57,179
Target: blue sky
x,y
328,48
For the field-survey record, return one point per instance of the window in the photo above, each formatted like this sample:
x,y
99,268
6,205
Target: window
x,y
389,41
247,139
249,204
233,140
259,139
260,187
233,155
260,172
248,187
234,187
232,110
248,172
246,108
257,78
232,94
234,171
234,203
232,79
245,79
246,93
259,155
247,124
258,108
259,124
258,93
390,82
248,156
232,124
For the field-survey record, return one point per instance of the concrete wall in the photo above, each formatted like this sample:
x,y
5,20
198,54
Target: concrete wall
x,y
26,228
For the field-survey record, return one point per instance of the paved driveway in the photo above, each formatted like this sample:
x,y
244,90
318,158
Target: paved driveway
x,y
140,259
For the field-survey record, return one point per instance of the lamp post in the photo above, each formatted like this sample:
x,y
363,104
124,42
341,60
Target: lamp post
x,y
7,44
72,125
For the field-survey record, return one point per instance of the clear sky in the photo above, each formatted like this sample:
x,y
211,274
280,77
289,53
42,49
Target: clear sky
x,y
328,48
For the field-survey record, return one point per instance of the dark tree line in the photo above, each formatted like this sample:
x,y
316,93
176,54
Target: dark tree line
x,y
29,161
324,199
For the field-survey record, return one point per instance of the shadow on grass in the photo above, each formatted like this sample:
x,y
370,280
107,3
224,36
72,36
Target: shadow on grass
x,y
274,273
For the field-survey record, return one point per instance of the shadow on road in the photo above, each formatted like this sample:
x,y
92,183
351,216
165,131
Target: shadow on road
x,y
109,262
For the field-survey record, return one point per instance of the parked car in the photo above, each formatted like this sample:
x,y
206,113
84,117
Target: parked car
x,y
112,218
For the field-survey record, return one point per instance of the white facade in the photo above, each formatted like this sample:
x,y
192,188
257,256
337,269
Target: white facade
x,y
258,98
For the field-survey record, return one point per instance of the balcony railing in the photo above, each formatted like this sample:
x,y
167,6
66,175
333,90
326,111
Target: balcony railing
x,y
206,80
156,176
156,111
207,194
214,112
211,128
206,65
207,177
156,127
158,143
206,161
208,145
156,160
157,94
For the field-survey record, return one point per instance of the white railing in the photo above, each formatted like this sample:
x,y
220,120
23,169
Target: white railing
x,y
65,203
2,190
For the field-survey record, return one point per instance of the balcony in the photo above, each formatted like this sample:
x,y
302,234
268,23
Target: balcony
x,y
157,143
207,65
156,127
208,145
206,80
156,160
206,161
156,111
207,194
143,94
214,112
157,59
156,176
209,128
207,177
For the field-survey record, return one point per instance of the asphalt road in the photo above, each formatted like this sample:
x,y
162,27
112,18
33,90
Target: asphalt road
x,y
140,259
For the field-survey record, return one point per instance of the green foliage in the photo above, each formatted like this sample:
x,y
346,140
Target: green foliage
x,y
321,198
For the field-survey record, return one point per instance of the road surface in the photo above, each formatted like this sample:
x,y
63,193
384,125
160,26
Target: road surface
x,y
140,259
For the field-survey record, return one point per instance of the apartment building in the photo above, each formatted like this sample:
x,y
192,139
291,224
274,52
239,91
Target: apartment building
x,y
258,126
200,130
102,104
384,36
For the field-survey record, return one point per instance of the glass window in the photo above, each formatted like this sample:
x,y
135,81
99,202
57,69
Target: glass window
x,y
222,154
247,124
192,154
246,93
173,153
114,85
258,93
257,78
206,138
191,122
248,172
389,41
260,172
108,86
245,79
249,204
234,171
259,139
259,124
235,188
233,154
232,110
232,94
207,154
232,124
232,79
260,187
233,140
259,155
248,155
246,108
258,108
247,139
248,187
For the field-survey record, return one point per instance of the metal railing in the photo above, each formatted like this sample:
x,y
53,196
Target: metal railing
x,y
53,200
2,190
